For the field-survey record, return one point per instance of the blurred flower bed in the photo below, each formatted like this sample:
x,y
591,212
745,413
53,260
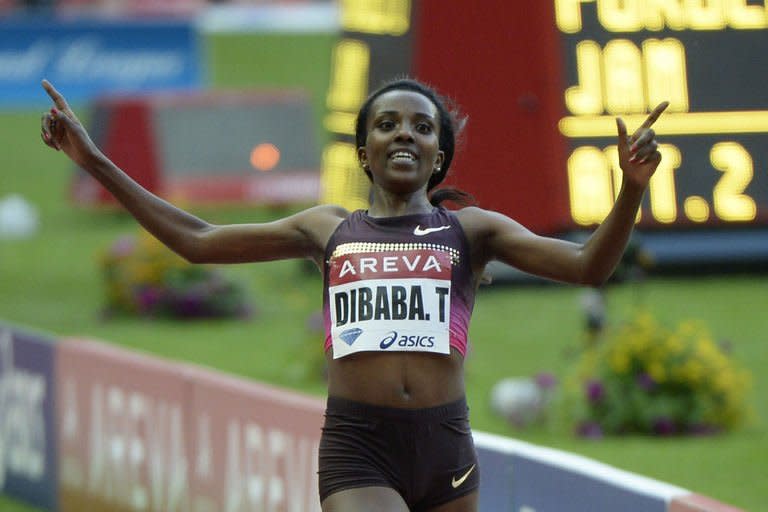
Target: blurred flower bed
x,y
643,377
143,277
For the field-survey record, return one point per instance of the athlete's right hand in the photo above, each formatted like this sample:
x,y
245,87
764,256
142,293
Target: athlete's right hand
x,y
62,130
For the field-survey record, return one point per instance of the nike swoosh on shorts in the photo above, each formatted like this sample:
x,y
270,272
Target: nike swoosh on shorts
x,y
456,482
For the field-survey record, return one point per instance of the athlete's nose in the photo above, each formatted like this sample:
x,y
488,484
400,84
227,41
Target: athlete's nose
x,y
404,132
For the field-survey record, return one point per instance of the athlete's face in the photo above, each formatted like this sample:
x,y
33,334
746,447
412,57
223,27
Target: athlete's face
x,y
402,146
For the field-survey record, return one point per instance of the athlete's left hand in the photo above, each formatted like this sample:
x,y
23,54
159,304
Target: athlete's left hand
x,y
61,130
639,154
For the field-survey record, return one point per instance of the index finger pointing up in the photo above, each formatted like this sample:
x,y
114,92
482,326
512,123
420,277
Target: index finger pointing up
x,y
661,107
57,98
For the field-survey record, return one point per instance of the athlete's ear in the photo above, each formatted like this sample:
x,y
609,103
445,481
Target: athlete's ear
x,y
439,159
362,157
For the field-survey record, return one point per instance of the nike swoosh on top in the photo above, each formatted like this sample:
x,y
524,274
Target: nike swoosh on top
x,y
457,482
421,232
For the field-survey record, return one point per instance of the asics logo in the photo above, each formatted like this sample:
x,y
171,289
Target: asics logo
x,y
456,482
421,232
388,340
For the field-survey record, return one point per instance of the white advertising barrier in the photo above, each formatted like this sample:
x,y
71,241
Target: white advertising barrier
x,y
122,421
254,447
139,433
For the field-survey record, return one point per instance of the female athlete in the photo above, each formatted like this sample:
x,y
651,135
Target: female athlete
x,y
399,287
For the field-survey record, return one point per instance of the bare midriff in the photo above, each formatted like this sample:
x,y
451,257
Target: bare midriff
x,y
408,380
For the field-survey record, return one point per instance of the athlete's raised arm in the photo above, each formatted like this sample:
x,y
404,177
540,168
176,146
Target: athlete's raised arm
x,y
301,235
497,237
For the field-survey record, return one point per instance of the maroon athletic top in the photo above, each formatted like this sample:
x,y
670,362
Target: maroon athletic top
x,y
398,284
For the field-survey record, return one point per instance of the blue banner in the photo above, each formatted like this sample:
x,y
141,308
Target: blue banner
x,y
541,486
495,480
28,468
520,477
89,57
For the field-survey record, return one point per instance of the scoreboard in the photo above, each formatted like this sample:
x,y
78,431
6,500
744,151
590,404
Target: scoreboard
x,y
542,84
621,59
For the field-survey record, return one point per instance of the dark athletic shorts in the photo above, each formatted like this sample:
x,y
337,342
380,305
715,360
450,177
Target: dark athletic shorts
x,y
427,455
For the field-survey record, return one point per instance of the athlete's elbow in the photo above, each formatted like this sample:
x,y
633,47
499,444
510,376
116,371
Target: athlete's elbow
x,y
186,251
595,277
196,252
193,257
193,249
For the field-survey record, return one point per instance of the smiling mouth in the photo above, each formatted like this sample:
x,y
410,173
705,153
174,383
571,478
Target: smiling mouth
x,y
402,157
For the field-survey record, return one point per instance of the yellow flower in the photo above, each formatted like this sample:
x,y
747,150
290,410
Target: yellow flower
x,y
724,382
619,362
674,344
657,372
693,372
686,355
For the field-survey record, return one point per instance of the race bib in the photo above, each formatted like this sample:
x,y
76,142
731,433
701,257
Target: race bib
x,y
398,300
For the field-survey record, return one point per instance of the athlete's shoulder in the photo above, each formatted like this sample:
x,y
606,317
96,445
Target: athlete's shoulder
x,y
480,224
319,222
473,218
322,216
328,210
469,211
475,214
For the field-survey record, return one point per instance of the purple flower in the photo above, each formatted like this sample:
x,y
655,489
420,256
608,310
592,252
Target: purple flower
x,y
191,305
664,426
645,381
148,298
595,391
590,429
545,380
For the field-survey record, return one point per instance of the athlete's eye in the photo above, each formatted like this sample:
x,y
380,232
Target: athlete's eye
x,y
424,128
385,125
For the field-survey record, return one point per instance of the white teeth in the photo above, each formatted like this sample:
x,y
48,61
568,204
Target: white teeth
x,y
403,155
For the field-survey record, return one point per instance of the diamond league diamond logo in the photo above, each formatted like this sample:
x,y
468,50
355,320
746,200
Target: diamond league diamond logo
x,y
350,335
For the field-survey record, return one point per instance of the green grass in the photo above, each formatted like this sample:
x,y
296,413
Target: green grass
x,y
9,505
51,282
